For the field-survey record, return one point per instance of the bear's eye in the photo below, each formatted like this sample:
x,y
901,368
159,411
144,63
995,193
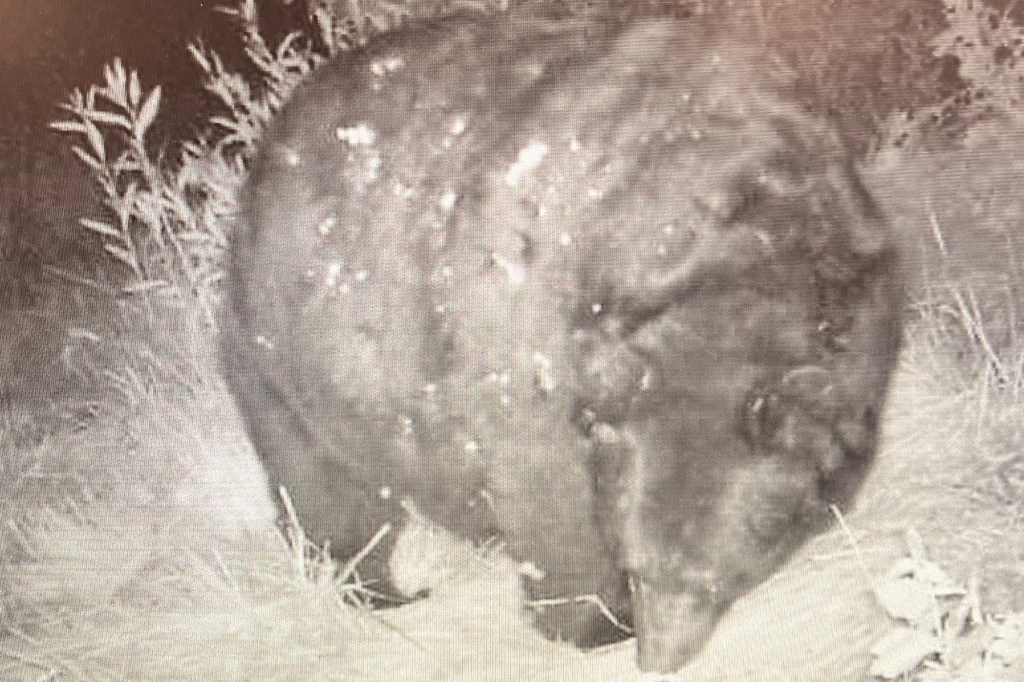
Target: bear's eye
x,y
759,422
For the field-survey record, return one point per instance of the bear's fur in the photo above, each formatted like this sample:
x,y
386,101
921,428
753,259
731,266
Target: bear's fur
x,y
596,288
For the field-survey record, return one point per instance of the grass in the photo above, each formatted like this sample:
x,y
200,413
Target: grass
x,y
139,539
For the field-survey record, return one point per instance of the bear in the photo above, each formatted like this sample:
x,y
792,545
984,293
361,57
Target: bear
x,y
598,288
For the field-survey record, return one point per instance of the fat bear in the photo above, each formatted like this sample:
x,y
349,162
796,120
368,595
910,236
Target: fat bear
x,y
597,288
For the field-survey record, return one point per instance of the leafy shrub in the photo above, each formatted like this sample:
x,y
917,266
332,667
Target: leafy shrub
x,y
165,220
859,62
987,46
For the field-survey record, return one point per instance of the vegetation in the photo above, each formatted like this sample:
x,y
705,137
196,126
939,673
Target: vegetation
x,y
138,540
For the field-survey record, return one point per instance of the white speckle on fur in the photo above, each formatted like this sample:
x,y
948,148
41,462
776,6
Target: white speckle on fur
x,y
604,433
407,426
714,202
594,193
385,493
530,157
333,273
646,381
264,342
530,570
669,230
373,167
362,276
326,225
447,272
484,496
360,135
457,128
543,377
565,239
292,158
403,191
515,272
382,67
574,144
596,308
472,446
80,334
447,201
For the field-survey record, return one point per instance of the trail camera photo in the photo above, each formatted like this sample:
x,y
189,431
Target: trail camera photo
x,y
548,340
597,289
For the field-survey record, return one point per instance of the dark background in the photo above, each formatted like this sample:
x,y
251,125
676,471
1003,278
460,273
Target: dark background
x,y
49,47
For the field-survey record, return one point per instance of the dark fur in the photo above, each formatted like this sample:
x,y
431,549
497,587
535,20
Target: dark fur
x,y
659,354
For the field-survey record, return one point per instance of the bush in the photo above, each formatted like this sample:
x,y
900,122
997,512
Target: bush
x,y
166,220
986,45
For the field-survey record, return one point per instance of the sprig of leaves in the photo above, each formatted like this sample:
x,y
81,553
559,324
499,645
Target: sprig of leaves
x,y
941,633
